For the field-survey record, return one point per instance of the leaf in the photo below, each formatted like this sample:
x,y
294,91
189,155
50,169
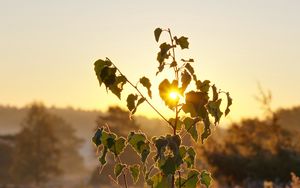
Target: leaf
x,y
135,172
160,67
190,127
205,178
131,101
118,169
157,33
185,80
108,76
195,103
190,181
97,137
146,83
163,54
102,158
190,157
182,42
117,87
206,129
229,103
215,93
140,144
187,60
165,88
213,108
189,68
140,101
203,86
168,167
98,66
159,180
118,146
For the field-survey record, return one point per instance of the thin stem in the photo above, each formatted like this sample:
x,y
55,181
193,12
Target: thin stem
x,y
179,174
135,87
124,175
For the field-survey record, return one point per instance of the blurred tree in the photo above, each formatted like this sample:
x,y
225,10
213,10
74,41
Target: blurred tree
x,y
71,162
6,154
256,150
45,148
37,149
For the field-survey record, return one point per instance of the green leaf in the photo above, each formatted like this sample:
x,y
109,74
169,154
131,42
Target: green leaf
x,y
102,158
215,93
135,172
191,128
146,83
118,146
165,88
140,144
168,166
98,66
190,157
190,181
108,139
117,87
159,181
203,86
185,80
205,178
157,33
206,129
97,137
131,101
213,108
182,42
229,103
118,169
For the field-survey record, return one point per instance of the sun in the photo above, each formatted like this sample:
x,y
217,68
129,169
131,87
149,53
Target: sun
x,y
174,95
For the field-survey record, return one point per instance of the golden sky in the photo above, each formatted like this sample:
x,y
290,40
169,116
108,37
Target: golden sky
x,y
48,48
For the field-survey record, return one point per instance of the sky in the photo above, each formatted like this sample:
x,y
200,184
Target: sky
x,y
47,49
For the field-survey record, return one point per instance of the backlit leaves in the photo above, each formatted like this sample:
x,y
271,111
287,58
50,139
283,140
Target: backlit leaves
x,y
190,181
213,108
185,80
118,169
182,42
159,181
157,33
146,83
205,178
190,127
229,103
134,172
131,101
140,144
106,73
200,104
165,88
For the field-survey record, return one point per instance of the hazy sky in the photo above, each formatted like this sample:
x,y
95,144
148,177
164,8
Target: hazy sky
x,y
47,48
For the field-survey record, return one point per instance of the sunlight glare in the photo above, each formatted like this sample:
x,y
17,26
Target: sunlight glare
x,y
174,95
